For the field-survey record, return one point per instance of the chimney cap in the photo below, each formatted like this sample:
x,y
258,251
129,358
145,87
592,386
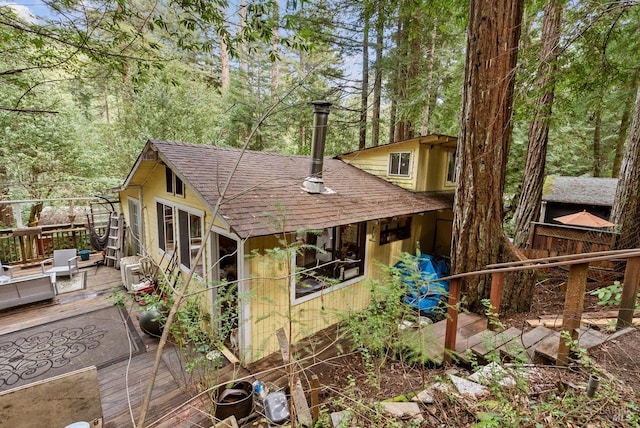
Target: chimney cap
x,y
321,105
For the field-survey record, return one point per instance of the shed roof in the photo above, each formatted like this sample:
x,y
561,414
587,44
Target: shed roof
x,y
265,195
580,190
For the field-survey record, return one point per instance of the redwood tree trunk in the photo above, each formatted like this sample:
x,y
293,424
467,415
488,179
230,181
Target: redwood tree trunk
x,y
377,84
624,127
626,206
597,150
534,170
362,143
485,132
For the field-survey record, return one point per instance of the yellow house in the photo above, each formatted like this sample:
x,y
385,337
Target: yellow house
x,y
300,255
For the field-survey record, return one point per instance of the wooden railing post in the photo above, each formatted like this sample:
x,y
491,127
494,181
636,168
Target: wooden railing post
x,y
452,320
629,291
573,306
495,298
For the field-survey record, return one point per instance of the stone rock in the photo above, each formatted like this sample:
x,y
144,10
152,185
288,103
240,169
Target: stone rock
x,y
493,372
339,419
468,388
425,396
404,411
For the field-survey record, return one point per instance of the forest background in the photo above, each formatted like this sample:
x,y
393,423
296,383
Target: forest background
x,y
83,85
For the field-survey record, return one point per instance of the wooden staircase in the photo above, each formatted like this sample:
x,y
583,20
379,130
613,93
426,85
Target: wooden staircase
x,y
474,342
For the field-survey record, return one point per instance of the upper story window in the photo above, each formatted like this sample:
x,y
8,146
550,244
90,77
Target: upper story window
x,y
175,186
451,167
399,163
329,257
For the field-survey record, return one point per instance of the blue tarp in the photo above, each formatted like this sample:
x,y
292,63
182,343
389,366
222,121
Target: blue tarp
x,y
423,295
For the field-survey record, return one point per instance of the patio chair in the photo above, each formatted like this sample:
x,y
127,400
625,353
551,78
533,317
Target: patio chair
x,y
65,263
5,278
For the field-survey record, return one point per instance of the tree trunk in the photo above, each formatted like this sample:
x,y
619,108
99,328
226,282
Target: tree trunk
x,y
624,127
426,110
377,84
534,170
485,132
275,41
225,79
597,150
626,205
243,45
6,210
400,79
362,143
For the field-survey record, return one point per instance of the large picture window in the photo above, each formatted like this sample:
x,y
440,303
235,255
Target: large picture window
x,y
179,230
328,257
399,163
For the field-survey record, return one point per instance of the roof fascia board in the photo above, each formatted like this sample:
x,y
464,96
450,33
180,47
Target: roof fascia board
x,y
136,165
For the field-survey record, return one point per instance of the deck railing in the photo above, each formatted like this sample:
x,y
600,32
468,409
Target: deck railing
x,y
31,245
574,298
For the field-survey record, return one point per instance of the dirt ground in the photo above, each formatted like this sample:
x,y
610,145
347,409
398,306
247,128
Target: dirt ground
x,y
617,361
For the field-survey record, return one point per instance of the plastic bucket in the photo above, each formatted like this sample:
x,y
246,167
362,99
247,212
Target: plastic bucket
x,y
84,254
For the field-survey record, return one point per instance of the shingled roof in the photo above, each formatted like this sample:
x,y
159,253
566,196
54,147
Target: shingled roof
x,y
580,190
266,189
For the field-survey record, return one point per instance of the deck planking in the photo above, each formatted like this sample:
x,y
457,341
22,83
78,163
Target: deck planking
x,y
112,380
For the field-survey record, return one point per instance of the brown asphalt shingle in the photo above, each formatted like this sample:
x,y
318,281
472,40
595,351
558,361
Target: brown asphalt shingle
x,y
266,196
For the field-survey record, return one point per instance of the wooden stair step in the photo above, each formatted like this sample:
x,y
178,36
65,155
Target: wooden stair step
x,y
525,343
496,341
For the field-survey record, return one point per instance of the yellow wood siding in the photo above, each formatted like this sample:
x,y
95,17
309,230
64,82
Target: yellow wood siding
x,y
270,294
376,162
429,160
155,187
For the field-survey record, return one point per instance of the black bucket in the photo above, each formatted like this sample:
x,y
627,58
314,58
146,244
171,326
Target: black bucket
x,y
234,399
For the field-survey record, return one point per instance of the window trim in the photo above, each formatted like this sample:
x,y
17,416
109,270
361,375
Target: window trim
x,y
399,173
350,281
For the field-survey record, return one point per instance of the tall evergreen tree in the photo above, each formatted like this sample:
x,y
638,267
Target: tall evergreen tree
x,y
485,131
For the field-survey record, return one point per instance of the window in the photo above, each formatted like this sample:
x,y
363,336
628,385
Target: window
x,y
175,186
182,233
328,257
395,230
451,167
166,236
190,236
399,163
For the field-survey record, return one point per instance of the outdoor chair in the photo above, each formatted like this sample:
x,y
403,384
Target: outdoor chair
x,y
65,263
5,278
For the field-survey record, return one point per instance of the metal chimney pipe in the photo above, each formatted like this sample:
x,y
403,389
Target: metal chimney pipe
x,y
314,183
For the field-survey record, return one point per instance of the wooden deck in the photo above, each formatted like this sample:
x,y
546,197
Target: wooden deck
x,y
122,385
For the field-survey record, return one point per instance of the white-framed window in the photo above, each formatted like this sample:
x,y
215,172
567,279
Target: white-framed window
x,y
399,163
166,229
180,229
451,167
175,186
328,258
